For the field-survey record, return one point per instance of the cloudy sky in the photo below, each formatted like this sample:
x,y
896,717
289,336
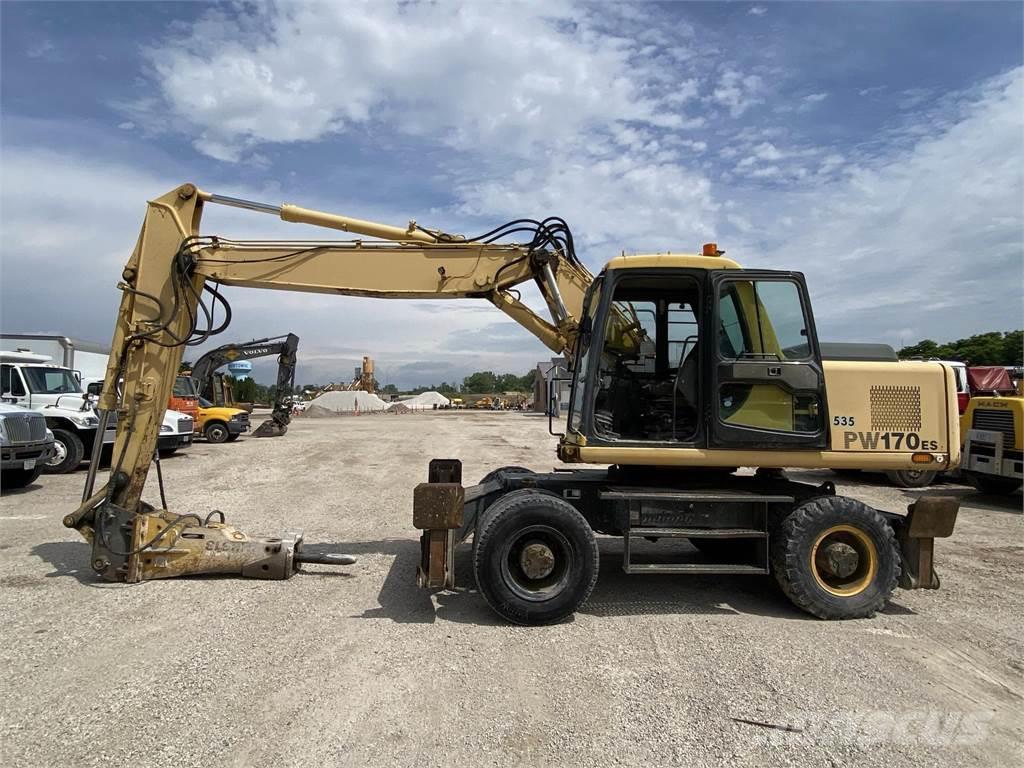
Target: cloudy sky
x,y
877,147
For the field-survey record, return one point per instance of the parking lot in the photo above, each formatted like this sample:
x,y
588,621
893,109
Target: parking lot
x,y
358,666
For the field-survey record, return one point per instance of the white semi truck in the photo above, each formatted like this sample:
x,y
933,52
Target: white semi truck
x,y
86,358
35,382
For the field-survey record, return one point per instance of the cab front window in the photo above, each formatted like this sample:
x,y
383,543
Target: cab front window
x,y
648,374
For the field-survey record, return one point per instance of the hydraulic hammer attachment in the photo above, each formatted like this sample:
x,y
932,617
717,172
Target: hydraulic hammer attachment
x,y
157,544
928,518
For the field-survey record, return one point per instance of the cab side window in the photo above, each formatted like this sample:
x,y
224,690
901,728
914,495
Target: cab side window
x,y
762,319
762,323
10,382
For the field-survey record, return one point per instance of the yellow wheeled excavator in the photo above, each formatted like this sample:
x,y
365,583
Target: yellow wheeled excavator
x,y
684,368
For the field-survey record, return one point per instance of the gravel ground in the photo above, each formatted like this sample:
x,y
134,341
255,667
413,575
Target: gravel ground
x,y
358,666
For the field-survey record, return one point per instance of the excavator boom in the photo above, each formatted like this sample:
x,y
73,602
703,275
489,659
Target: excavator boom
x,y
171,297
285,347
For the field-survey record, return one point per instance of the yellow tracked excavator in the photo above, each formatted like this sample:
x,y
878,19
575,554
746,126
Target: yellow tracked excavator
x,y
684,368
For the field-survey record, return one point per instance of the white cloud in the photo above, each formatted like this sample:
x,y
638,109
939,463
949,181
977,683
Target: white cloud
x,y
757,10
684,92
55,224
767,151
43,49
815,98
534,111
472,75
127,125
928,238
551,109
620,202
737,92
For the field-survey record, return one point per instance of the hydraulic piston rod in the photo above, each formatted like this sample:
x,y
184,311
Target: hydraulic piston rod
x,y
297,214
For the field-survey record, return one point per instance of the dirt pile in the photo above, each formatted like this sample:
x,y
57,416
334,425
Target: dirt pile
x,y
316,412
345,402
426,401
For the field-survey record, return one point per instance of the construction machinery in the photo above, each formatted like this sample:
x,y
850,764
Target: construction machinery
x,y
285,347
993,429
363,381
684,368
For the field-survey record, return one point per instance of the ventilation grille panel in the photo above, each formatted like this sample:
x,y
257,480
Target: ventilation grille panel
x,y
896,409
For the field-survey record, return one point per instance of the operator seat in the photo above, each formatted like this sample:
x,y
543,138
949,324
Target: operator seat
x,y
686,384
687,394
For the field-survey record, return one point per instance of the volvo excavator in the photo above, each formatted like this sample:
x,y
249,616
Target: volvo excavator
x,y
285,347
695,384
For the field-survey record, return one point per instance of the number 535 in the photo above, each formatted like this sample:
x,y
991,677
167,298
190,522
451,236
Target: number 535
x,y
842,421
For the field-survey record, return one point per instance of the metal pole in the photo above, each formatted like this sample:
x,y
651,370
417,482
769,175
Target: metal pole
x,y
94,458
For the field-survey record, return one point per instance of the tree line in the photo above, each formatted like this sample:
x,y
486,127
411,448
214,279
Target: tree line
x,y
479,383
992,348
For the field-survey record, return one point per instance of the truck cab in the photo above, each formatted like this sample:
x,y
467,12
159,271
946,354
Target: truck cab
x,y
32,381
218,424
993,430
176,430
26,444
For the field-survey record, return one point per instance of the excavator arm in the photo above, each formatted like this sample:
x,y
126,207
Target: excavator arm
x,y
171,298
285,347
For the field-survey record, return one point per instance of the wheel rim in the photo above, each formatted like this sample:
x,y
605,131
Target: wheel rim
x,y
536,562
60,453
217,433
844,560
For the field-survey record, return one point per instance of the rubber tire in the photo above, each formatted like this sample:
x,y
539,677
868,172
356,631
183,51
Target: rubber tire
x,y
791,547
993,485
232,438
19,478
74,452
911,478
500,522
512,469
216,432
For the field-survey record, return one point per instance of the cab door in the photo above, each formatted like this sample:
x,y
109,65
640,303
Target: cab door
x,y
12,386
766,380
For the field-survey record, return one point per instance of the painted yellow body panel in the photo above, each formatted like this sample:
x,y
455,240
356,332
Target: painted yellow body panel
x,y
906,397
874,435
671,261
766,407
775,458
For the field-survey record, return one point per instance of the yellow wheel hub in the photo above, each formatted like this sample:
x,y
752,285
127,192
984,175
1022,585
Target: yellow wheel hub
x,y
844,560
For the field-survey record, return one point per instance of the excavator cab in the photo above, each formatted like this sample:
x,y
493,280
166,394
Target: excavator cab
x,y
698,358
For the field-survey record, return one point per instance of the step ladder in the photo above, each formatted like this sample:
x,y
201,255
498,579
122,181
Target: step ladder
x,y
648,526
